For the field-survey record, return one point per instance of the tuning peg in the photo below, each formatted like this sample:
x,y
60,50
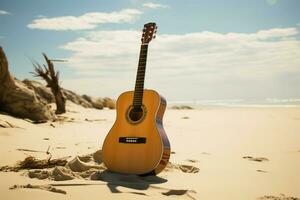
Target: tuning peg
x,y
154,36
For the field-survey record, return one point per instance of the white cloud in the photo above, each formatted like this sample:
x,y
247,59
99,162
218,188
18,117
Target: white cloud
x,y
87,21
272,2
231,65
154,5
3,12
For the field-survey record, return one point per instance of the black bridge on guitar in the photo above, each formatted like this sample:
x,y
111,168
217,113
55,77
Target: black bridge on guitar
x,y
132,140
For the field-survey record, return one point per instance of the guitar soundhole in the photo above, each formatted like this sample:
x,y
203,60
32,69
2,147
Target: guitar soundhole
x,y
136,115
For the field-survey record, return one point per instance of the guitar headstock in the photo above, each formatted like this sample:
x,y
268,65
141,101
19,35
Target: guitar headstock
x,y
149,32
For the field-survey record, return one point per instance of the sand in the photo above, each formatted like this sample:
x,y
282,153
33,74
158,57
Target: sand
x,y
217,153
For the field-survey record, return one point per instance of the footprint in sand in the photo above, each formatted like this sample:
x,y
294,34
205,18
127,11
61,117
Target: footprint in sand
x,y
257,159
183,168
192,160
262,171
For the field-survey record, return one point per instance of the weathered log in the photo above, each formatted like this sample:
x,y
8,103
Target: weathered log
x,y
17,99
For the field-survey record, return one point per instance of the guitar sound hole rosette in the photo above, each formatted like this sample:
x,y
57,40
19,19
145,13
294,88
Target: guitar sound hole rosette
x,y
140,118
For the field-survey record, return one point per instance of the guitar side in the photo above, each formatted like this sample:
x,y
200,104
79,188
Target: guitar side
x,y
138,158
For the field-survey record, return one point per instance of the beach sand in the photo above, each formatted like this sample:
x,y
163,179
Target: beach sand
x,y
217,153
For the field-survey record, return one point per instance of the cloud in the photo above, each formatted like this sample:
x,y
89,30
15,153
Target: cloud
x,y
232,65
272,2
154,5
87,21
3,12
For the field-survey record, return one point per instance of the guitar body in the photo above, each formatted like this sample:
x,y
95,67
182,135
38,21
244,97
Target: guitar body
x,y
137,143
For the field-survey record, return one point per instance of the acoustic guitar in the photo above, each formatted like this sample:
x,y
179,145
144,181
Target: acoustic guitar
x,y
137,142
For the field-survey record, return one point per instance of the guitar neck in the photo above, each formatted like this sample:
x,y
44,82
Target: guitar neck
x,y
140,77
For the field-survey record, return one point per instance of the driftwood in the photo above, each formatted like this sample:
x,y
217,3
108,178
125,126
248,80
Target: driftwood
x,y
17,99
52,79
32,163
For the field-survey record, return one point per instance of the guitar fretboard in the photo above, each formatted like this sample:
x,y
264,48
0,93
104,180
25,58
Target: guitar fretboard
x,y
140,77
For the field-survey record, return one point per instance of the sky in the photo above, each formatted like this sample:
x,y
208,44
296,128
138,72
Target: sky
x,y
233,49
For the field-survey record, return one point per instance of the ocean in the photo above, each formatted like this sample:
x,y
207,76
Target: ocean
x,y
268,102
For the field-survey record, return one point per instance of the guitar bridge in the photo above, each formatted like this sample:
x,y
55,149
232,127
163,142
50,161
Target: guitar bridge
x,y
132,140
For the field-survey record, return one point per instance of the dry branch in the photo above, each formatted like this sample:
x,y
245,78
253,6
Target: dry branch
x,y
52,78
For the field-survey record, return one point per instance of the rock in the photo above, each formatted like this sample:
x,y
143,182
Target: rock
x,y
39,174
77,99
83,100
41,90
87,98
109,103
96,102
